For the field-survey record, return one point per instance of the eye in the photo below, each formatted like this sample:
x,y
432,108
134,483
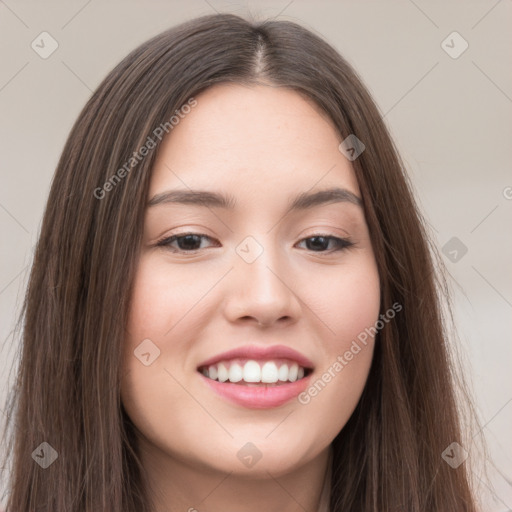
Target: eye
x,y
187,242
190,243
320,243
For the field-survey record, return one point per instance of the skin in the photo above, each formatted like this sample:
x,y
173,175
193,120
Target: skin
x,y
262,145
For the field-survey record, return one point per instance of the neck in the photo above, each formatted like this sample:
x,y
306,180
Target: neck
x,y
178,485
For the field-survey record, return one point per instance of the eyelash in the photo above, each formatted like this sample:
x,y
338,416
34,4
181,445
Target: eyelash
x,y
341,243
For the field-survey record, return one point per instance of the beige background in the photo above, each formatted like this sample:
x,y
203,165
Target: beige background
x,y
451,119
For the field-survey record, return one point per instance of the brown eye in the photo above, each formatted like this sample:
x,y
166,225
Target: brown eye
x,y
320,243
187,242
191,243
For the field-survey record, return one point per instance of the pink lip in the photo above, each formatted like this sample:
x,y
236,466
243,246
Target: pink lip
x,y
258,352
258,397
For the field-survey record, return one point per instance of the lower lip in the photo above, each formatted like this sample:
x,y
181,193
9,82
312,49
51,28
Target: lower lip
x,y
256,397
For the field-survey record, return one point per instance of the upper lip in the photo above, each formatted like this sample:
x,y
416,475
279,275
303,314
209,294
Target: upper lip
x,y
259,352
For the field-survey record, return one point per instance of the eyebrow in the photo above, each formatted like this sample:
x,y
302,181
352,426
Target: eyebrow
x,y
206,198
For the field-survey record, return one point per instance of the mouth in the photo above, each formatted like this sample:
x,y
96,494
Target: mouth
x,y
257,377
255,373
255,380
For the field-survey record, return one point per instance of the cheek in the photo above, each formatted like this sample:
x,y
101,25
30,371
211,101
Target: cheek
x,y
349,306
160,298
158,301
346,301
356,305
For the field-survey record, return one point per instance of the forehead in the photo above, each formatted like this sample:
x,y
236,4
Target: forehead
x,y
252,139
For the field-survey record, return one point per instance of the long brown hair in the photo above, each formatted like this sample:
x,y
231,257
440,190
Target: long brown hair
x,y
67,394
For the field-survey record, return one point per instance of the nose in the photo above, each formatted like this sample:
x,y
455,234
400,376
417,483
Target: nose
x,y
262,292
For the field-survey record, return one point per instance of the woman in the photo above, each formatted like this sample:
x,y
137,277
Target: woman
x,y
232,304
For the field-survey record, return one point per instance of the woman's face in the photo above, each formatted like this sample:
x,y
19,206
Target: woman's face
x,y
257,291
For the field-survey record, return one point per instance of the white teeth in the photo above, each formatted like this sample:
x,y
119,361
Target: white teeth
x,y
292,372
252,372
269,372
222,373
283,373
212,372
235,373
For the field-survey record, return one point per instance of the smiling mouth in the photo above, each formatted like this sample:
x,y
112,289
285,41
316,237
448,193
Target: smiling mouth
x,y
255,373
